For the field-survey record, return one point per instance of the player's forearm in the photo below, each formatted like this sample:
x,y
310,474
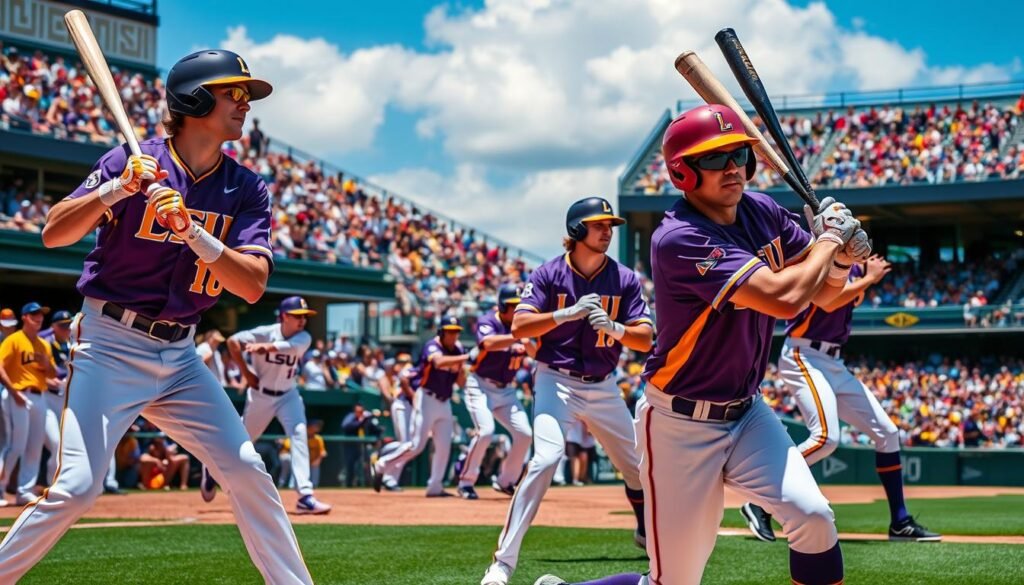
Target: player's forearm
x,y
235,353
243,274
447,361
831,298
72,219
498,342
638,338
532,324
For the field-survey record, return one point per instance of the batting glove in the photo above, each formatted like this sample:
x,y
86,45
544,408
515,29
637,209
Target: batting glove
x,y
581,309
600,321
833,222
139,170
170,208
857,250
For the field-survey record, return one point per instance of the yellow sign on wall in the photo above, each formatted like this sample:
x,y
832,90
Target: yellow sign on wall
x,y
901,320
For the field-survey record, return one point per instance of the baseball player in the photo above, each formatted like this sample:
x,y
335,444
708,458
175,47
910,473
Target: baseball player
x,y
401,397
435,377
489,390
156,267
727,263
812,369
582,307
27,369
276,352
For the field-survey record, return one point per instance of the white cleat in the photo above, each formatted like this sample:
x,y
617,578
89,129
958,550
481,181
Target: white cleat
x,y
550,580
497,574
310,505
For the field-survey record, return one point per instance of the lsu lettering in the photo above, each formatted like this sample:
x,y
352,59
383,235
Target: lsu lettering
x,y
772,255
214,223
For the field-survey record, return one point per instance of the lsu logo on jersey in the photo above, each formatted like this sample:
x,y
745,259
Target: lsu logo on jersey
x,y
771,254
708,263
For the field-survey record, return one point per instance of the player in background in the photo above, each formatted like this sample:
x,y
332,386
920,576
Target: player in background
x,y
157,265
726,264
582,307
439,371
276,354
812,368
27,369
491,395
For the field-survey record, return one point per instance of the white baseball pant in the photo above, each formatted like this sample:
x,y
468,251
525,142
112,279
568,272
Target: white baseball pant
x,y
826,392
486,402
559,401
25,427
262,408
118,373
685,465
431,418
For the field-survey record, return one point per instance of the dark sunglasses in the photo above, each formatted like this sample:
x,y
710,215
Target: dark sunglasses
x,y
717,161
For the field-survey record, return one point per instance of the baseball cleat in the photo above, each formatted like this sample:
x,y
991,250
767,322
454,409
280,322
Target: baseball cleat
x,y
4,503
440,494
309,505
467,492
376,478
908,530
207,486
392,486
550,580
507,490
497,574
640,540
759,522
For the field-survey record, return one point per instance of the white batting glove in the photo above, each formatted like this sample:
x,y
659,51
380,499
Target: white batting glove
x,y
581,309
600,321
833,222
857,250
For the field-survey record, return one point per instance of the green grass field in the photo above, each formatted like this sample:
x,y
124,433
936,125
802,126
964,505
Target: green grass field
x,y
993,516
424,555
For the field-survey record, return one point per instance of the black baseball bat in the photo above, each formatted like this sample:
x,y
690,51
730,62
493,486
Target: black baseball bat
x,y
751,84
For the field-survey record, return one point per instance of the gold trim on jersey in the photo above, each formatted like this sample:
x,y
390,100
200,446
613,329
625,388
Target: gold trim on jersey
x,y
580,274
181,164
733,279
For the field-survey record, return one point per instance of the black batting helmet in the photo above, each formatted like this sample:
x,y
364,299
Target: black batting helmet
x,y
187,81
585,210
508,294
448,324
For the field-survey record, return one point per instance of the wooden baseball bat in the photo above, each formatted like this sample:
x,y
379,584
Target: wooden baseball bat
x,y
711,90
751,84
92,57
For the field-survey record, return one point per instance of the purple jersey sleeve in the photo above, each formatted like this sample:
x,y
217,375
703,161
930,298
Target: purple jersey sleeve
x,y
535,293
796,242
637,311
110,165
250,231
706,267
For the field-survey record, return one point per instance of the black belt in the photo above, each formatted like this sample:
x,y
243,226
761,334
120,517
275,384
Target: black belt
x,y
832,351
436,395
715,412
495,383
53,391
162,330
585,378
271,392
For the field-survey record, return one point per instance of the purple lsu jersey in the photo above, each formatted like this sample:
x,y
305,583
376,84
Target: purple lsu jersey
x,y
497,365
575,345
817,324
146,268
707,347
440,382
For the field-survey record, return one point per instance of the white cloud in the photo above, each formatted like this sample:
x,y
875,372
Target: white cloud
x,y
559,92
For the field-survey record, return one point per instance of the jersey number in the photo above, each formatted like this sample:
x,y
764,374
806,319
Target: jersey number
x,y
611,306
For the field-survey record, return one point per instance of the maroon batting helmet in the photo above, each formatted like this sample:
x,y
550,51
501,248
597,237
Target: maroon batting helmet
x,y
700,130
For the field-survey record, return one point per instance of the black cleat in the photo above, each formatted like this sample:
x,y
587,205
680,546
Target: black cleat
x,y
376,477
908,530
468,493
759,521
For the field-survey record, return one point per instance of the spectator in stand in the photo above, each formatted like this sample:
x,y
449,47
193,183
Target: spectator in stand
x,y
314,374
257,140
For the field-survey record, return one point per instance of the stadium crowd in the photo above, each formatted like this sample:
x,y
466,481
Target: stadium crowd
x,y
891,145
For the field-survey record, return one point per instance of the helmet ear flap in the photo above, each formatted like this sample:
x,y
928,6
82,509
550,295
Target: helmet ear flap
x,y
578,231
751,164
205,101
684,177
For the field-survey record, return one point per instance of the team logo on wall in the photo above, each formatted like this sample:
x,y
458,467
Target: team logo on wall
x,y
93,180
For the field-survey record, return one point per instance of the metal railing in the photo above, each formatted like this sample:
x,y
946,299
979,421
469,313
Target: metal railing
x,y
897,96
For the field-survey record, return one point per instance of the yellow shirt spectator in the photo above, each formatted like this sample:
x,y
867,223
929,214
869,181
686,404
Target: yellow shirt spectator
x,y
27,362
317,449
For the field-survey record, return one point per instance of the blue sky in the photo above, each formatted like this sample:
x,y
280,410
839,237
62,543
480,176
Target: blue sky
x,y
541,103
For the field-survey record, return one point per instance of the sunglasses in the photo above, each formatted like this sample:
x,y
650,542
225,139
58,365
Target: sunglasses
x,y
238,94
717,161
